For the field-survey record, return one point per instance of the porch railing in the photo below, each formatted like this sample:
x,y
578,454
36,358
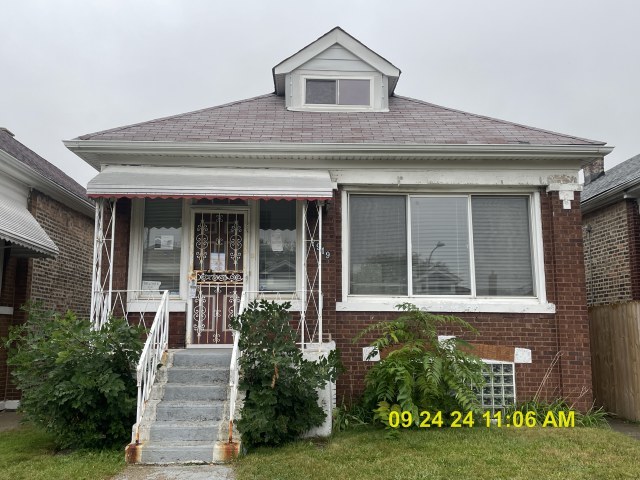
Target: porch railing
x,y
154,348
117,302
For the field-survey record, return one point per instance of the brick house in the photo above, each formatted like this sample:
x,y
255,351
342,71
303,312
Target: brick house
x,y
611,228
46,242
337,193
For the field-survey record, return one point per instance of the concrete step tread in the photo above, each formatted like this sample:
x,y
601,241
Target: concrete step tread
x,y
179,445
188,423
191,403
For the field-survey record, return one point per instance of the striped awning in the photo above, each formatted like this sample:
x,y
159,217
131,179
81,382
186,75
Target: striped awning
x,y
204,182
23,231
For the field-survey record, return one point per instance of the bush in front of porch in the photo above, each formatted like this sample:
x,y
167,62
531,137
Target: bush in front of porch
x,y
76,383
281,399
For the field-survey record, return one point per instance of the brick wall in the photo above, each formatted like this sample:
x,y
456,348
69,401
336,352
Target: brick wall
x,y
607,253
63,283
545,334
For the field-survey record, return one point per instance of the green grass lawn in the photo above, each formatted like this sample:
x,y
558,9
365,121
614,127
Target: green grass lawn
x,y
478,453
27,453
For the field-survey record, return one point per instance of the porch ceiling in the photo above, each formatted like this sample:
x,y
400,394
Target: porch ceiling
x,y
201,182
19,227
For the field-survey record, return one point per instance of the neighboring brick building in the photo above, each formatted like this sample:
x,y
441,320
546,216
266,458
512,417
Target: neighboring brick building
x,y
46,243
455,212
611,230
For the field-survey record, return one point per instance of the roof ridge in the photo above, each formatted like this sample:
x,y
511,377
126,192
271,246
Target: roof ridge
x,y
506,122
88,136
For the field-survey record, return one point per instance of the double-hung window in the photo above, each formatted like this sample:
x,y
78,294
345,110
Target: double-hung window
x,y
161,245
441,245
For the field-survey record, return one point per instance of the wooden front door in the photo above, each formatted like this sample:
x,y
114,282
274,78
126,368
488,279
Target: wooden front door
x,y
217,276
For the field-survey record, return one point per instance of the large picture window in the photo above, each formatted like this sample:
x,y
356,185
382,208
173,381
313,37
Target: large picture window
x,y
161,245
461,245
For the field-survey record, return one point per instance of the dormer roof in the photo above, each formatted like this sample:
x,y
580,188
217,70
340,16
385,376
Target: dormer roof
x,y
335,36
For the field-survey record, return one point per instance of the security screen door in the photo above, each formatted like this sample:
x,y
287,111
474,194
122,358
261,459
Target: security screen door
x,y
217,277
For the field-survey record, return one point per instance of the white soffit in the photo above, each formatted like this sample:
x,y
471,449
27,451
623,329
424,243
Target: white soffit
x,y
19,227
195,182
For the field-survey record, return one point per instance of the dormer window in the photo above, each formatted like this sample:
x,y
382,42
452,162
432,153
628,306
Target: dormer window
x,y
356,92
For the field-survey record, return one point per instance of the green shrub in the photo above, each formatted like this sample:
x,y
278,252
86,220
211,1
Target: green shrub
x,y
594,417
417,371
281,399
77,383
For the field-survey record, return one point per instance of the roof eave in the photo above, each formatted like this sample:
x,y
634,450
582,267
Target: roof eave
x,y
30,177
626,190
90,150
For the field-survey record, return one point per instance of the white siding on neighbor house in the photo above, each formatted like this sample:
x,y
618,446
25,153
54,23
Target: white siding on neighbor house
x,y
337,58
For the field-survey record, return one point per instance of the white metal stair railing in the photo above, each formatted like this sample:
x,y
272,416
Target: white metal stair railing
x,y
116,304
154,348
234,369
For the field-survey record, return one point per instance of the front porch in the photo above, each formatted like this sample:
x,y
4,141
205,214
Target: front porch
x,y
182,267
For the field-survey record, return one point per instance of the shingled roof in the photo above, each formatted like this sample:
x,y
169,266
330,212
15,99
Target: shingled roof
x,y
265,119
39,165
624,175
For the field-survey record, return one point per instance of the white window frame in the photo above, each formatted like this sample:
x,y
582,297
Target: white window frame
x,y
254,282
137,303
329,107
450,303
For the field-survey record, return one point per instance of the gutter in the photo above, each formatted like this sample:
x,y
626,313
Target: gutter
x,y
89,150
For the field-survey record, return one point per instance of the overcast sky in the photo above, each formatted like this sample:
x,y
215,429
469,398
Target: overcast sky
x,y
73,67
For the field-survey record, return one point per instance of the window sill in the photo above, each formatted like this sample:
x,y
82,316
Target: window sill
x,y
6,310
387,304
152,305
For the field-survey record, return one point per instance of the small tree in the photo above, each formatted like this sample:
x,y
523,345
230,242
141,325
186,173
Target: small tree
x,y
281,399
76,383
418,372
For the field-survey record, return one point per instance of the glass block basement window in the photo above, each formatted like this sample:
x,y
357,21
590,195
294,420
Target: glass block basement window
x,y
500,386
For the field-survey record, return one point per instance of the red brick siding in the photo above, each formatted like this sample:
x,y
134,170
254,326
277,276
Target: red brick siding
x,y
607,250
63,283
14,294
545,334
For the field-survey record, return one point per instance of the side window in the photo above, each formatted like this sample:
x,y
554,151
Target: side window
x,y
278,238
161,245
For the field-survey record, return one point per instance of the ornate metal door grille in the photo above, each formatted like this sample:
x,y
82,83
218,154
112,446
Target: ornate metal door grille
x,y
218,274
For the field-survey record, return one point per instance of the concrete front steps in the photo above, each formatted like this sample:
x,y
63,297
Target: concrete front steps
x,y
186,419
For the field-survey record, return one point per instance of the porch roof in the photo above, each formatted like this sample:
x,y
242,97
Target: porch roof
x,y
19,227
195,182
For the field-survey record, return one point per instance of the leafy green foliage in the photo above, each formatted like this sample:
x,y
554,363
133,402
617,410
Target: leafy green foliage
x,y
76,383
348,417
281,399
594,417
417,371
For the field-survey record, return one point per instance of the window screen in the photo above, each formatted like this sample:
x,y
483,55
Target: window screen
x,y
321,92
